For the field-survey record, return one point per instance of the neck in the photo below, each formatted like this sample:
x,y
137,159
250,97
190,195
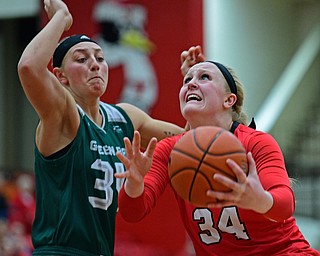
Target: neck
x,y
93,112
223,123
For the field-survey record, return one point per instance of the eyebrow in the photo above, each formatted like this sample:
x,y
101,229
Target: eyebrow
x,y
87,49
198,70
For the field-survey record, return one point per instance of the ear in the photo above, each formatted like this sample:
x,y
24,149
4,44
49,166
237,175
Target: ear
x,y
60,75
230,100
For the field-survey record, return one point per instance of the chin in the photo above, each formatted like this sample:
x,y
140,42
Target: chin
x,y
190,111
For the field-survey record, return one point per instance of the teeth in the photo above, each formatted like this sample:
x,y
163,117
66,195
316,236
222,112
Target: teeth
x,y
193,97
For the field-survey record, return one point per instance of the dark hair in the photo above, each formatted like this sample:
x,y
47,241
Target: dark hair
x,y
65,45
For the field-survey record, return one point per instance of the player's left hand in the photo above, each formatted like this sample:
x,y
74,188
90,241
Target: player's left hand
x,y
247,192
188,58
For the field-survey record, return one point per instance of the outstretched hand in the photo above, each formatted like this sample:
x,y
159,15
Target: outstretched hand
x,y
53,6
137,164
247,192
188,58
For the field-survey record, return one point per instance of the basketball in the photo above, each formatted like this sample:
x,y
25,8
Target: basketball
x,y
197,156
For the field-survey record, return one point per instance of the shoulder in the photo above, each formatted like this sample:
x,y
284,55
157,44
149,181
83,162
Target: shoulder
x,y
255,140
135,114
118,117
245,132
114,112
131,110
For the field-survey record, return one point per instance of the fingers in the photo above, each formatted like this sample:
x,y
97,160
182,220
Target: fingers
x,y
237,187
126,163
125,159
136,142
133,148
222,199
237,170
128,146
193,53
52,7
151,147
184,56
240,188
252,164
122,175
191,57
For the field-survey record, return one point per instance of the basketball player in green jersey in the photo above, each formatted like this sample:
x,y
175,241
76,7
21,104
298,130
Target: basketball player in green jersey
x,y
76,140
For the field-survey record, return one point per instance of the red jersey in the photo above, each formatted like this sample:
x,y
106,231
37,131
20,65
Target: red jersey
x,y
230,230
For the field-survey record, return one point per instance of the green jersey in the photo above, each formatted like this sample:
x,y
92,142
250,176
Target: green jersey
x,y
77,194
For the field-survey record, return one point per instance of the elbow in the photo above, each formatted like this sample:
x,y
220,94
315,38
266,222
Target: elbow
x,y
25,66
28,71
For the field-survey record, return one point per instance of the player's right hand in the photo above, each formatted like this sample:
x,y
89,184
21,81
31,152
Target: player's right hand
x,y
137,164
53,6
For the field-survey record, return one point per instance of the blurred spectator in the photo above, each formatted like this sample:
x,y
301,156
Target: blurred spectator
x,y
7,193
21,209
16,240
13,241
3,207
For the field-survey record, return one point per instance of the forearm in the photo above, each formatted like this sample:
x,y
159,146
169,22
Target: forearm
x,y
131,209
133,190
283,203
41,48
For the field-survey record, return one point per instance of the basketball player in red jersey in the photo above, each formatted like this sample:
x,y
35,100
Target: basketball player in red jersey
x,y
256,217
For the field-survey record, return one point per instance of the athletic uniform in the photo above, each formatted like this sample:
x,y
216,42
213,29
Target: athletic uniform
x,y
230,230
76,192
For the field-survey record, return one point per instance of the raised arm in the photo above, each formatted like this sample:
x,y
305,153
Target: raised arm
x,y
44,91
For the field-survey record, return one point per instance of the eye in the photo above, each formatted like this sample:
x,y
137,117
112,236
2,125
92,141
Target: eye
x,y
81,60
100,59
187,80
205,77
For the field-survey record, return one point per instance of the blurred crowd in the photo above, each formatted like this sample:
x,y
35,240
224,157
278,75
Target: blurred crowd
x,y
17,209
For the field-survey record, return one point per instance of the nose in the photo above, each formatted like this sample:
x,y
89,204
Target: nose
x,y
94,65
192,84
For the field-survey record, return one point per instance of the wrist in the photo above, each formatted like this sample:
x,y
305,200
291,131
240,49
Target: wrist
x,y
64,15
133,190
267,204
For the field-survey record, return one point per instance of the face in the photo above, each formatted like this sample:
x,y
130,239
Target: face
x,y
84,70
203,94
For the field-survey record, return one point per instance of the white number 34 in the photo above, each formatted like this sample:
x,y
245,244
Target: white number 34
x,y
228,222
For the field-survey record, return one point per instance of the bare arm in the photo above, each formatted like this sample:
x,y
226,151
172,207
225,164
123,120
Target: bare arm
x,y
50,100
148,126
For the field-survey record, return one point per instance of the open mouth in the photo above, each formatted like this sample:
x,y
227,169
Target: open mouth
x,y
195,97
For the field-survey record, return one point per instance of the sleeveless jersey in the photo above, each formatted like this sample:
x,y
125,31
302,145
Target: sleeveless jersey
x,y
77,194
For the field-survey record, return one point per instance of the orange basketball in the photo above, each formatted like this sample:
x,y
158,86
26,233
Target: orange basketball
x,y
197,156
